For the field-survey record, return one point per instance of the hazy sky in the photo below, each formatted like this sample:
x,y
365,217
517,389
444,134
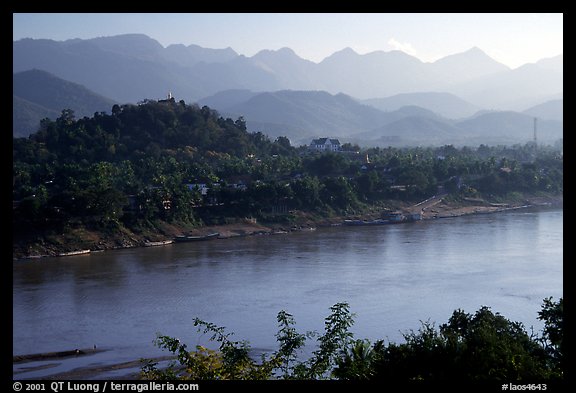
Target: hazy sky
x,y
512,39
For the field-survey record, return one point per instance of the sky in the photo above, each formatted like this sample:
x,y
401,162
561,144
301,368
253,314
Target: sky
x,y
513,39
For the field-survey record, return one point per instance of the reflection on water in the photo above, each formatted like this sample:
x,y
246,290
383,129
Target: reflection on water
x,y
392,276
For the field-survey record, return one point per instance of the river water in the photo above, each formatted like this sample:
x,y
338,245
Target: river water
x,y
393,277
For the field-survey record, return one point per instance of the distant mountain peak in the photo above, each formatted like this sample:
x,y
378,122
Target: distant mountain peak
x,y
138,45
285,52
347,50
472,54
555,63
343,53
136,36
133,38
475,50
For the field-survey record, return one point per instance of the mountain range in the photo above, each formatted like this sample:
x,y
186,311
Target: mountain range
x,y
380,96
131,67
445,104
303,115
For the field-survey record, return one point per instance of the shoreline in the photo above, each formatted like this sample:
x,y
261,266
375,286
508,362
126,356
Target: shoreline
x,y
97,371
435,207
55,355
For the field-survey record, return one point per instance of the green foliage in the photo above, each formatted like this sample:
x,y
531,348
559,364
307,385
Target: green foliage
x,y
552,314
289,341
358,361
327,164
232,360
338,193
484,346
307,192
139,164
335,340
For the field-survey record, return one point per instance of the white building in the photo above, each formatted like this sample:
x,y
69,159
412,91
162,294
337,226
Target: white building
x,y
325,144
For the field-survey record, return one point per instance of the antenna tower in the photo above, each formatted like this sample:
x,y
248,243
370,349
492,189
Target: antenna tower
x,y
535,131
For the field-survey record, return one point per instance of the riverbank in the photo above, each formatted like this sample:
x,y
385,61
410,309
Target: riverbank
x,y
55,355
83,239
118,371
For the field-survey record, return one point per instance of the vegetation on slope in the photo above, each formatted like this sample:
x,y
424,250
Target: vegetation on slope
x,y
165,162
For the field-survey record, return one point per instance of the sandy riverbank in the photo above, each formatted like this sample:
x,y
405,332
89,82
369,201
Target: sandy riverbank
x,y
443,209
119,371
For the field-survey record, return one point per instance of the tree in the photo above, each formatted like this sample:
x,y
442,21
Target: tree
x,y
290,341
552,314
367,185
338,193
232,360
307,192
483,346
283,142
240,123
327,164
66,117
333,342
358,361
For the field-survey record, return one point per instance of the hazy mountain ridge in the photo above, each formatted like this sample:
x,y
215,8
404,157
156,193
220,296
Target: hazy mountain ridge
x,y
131,67
38,94
511,126
303,115
445,104
121,77
555,63
524,86
311,112
282,94
549,110
412,130
26,116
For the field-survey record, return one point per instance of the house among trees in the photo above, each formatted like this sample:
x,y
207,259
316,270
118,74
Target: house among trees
x,y
202,188
325,144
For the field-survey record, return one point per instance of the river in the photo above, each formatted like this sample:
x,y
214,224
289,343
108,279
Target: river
x,y
393,277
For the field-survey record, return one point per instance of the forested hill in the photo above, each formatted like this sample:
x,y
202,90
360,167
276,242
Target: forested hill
x,y
133,168
166,162
135,131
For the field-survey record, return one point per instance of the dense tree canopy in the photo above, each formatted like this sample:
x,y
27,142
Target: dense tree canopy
x,y
171,161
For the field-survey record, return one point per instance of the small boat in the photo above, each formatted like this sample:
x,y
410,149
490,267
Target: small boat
x,y
371,222
79,252
185,238
160,243
354,222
